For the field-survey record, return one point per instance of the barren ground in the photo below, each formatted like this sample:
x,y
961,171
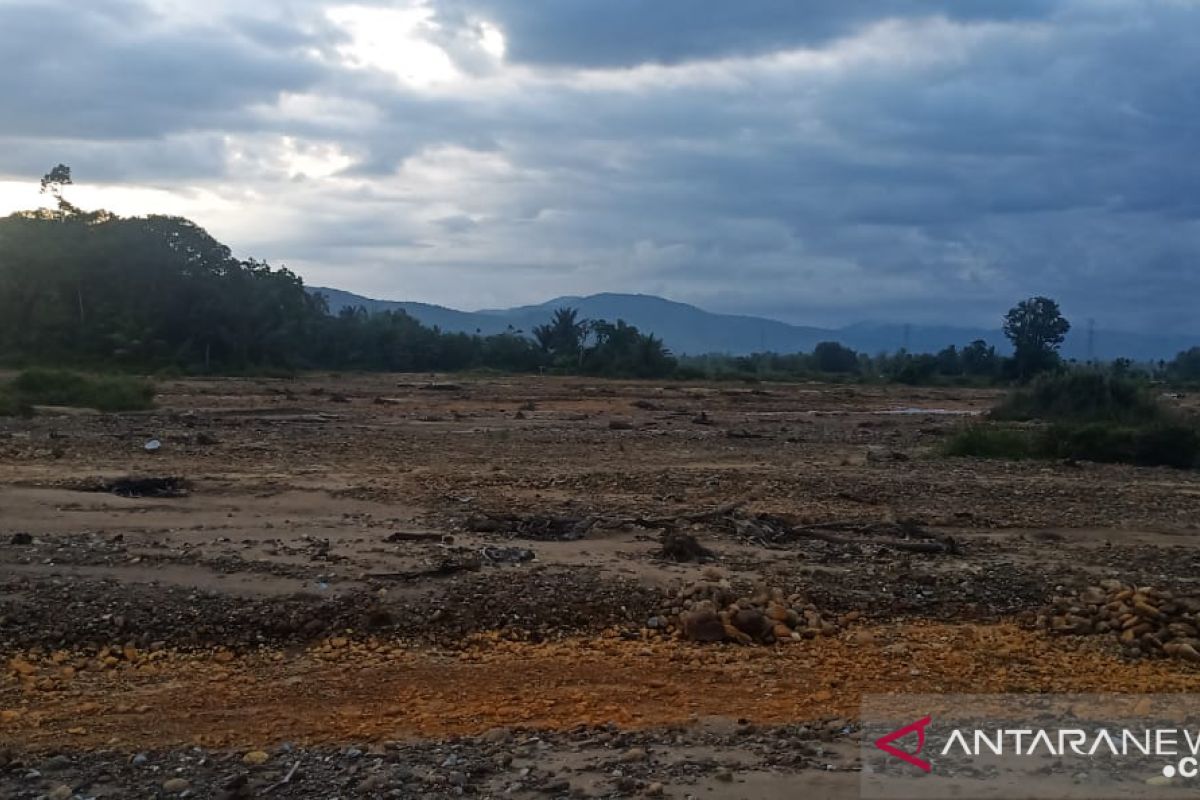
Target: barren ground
x,y
431,586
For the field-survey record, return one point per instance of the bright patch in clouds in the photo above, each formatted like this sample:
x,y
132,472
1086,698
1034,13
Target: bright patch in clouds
x,y
390,39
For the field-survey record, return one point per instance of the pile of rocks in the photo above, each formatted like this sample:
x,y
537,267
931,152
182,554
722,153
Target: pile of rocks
x,y
711,611
1144,619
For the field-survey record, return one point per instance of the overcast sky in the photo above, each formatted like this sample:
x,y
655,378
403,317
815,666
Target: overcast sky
x,y
818,161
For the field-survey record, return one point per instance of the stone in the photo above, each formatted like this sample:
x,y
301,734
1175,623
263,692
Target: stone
x,y
752,623
703,625
176,785
255,758
633,755
372,783
21,666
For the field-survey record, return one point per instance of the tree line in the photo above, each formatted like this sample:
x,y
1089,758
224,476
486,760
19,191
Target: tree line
x,y
91,288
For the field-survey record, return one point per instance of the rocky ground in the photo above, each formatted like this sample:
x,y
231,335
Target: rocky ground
x,y
421,586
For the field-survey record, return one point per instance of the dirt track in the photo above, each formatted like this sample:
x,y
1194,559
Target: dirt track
x,y
270,606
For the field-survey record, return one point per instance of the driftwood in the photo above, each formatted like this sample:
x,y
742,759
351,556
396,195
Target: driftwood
x,y
404,536
944,545
285,780
447,566
698,516
769,530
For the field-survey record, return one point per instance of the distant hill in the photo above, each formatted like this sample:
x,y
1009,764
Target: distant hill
x,y
691,330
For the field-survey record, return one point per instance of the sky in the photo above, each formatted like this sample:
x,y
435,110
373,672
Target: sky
x,y
817,161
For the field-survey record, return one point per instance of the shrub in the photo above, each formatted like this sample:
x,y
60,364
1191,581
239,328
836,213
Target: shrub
x,y
62,388
11,405
1168,444
991,441
1094,442
1079,397
1165,444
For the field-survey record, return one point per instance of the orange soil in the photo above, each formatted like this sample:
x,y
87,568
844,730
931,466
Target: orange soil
x,y
344,691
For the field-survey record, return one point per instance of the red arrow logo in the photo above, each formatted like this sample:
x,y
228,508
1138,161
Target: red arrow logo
x,y
884,743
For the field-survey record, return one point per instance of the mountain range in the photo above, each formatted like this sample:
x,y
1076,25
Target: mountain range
x,y
687,329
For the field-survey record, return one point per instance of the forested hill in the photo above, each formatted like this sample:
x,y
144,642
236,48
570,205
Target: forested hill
x,y
687,329
96,289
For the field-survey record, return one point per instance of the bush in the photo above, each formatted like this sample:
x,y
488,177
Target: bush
x,y
13,406
1162,444
103,393
992,441
1079,397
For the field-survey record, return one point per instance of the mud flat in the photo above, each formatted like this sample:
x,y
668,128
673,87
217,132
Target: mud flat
x,y
444,586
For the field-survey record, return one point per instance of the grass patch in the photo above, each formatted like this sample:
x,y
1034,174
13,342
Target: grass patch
x,y
62,388
992,441
13,406
1167,444
1164,444
1081,397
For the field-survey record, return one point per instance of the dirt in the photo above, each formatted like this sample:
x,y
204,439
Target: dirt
x,y
369,576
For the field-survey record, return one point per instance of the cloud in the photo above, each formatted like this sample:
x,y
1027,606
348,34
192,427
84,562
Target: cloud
x,y
623,33
821,162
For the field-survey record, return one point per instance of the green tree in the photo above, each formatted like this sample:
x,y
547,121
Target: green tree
x,y
1185,366
53,183
834,357
949,362
562,338
979,359
1036,329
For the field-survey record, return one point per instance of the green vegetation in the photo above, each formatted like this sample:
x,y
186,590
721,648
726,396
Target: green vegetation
x,y
1091,417
158,295
11,405
1036,329
154,293
1078,397
60,388
992,441
1184,369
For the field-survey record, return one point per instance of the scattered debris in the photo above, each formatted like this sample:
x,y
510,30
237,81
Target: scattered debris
x,y
461,561
537,528
506,555
876,455
167,486
680,546
405,536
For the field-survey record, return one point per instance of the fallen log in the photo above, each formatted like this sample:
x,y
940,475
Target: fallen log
x,y
405,536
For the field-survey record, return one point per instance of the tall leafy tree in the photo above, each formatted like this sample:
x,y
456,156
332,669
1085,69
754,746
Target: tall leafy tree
x,y
1036,329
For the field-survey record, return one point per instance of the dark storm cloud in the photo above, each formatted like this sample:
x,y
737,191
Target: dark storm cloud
x,y
616,33
821,162
115,70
